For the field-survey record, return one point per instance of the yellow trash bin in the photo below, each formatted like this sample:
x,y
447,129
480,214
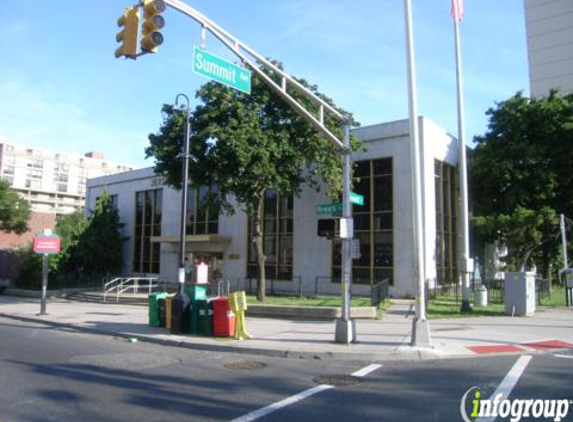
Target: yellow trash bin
x,y
238,304
168,309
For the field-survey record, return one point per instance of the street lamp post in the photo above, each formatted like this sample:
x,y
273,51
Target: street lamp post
x,y
180,314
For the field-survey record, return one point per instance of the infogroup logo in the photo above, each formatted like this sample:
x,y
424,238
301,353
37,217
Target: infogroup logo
x,y
514,409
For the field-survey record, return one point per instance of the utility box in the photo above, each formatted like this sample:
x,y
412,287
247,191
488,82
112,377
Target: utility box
x,y
519,295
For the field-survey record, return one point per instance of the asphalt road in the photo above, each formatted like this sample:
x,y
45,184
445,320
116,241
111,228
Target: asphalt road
x,y
50,374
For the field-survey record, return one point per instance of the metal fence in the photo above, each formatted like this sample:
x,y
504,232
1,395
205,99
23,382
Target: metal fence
x,y
495,290
322,286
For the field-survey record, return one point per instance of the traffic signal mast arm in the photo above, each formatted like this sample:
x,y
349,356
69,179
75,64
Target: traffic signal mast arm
x,y
242,51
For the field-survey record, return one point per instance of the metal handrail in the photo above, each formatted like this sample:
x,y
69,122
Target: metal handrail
x,y
122,284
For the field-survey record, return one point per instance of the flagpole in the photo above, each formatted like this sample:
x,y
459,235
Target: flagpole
x,y
420,325
464,247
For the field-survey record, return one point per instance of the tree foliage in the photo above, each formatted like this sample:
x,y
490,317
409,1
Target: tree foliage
x,y
522,171
246,144
70,228
99,249
14,211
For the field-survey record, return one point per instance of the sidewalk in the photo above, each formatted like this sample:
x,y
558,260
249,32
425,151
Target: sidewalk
x,y
385,339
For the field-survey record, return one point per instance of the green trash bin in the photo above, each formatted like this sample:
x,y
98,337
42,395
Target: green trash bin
x,y
204,315
153,307
194,315
162,305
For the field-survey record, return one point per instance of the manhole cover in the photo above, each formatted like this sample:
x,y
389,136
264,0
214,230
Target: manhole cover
x,y
338,380
245,366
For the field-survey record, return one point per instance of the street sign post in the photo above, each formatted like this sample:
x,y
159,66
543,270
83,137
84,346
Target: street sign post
x,y
45,244
220,70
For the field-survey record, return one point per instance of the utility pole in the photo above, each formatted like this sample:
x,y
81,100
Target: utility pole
x,y
420,325
564,240
345,326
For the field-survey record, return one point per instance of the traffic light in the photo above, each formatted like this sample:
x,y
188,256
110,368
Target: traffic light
x,y
151,38
326,227
128,35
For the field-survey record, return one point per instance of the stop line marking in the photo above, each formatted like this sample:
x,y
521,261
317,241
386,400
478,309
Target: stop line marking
x,y
564,356
249,417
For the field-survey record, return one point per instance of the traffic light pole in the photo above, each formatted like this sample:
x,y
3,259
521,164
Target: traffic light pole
x,y
255,61
345,326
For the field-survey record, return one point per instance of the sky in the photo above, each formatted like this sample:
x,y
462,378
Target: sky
x,y
61,88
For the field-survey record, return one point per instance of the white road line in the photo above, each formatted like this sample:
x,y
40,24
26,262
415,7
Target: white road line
x,y
564,356
508,383
249,417
280,404
366,370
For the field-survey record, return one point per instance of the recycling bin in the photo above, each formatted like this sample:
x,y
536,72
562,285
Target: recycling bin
x,y
223,318
153,308
204,315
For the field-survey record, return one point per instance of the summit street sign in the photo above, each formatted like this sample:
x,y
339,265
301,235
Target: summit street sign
x,y
214,67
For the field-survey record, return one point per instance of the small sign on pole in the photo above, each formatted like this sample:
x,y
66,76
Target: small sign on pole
x,y
202,273
334,208
356,249
45,244
356,199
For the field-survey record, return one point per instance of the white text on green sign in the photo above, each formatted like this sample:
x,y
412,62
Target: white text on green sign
x,y
356,199
214,67
334,208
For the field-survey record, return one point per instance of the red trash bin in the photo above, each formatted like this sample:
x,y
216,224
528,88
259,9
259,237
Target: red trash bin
x,y
223,318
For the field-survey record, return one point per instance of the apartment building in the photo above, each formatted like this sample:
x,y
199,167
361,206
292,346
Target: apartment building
x,y
52,181
549,25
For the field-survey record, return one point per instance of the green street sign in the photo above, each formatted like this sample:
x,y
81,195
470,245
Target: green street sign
x,y
334,208
214,67
356,199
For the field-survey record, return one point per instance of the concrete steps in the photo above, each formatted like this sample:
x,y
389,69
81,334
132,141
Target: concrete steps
x,y
254,309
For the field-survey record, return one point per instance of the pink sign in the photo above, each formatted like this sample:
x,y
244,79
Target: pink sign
x,y
46,244
202,273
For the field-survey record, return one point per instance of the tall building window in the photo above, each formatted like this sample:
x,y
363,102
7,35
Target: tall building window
x,y
203,210
446,186
277,215
148,215
373,224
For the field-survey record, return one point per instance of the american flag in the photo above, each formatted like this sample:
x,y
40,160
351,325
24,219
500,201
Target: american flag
x,y
457,10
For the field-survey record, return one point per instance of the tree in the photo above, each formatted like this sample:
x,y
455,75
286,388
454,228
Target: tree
x,y
99,249
70,228
522,177
14,211
246,144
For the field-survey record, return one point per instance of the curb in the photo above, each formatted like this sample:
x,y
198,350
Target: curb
x,y
414,354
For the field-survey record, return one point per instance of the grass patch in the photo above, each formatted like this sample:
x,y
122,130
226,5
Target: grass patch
x,y
331,301
335,301
556,300
445,309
